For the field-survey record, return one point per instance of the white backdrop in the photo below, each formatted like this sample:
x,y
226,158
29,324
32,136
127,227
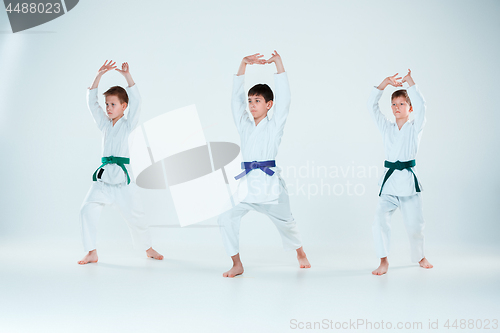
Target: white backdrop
x,y
185,52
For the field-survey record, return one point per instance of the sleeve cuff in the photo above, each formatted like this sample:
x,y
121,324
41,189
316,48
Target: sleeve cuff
x,y
377,91
238,80
92,93
412,88
133,88
412,91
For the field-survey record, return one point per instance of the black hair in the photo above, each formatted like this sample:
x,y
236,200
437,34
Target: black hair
x,y
262,90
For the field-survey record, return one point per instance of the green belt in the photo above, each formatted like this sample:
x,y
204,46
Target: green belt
x,y
398,165
121,161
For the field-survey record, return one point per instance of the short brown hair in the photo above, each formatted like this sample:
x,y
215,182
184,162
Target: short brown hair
x,y
401,93
118,92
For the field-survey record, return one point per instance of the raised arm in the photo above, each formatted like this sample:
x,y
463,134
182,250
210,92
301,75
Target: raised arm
x,y
92,98
125,71
373,107
276,58
134,98
104,69
239,98
417,103
282,97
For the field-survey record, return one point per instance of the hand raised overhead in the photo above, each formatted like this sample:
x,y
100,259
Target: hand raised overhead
x,y
391,80
106,67
125,69
408,79
394,81
257,58
254,59
274,57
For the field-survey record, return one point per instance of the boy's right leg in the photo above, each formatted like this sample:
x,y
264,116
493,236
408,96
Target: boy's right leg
x,y
381,229
229,225
89,217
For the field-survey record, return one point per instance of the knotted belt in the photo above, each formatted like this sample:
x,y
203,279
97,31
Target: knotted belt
x,y
249,166
398,165
120,161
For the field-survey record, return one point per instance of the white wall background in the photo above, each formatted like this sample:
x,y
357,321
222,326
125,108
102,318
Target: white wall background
x,y
185,52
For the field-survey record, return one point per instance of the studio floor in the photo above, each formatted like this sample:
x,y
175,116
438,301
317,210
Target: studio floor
x,y
42,289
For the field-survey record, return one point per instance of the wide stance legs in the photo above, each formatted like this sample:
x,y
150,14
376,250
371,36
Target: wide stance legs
x,y
126,199
279,214
411,208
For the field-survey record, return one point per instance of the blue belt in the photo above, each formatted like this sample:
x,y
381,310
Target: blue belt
x,y
249,166
398,165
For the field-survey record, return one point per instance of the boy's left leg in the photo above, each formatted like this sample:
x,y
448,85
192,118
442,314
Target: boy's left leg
x,y
281,215
411,208
128,202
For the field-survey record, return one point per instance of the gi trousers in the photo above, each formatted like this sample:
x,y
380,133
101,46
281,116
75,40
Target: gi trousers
x,y
124,197
411,208
280,215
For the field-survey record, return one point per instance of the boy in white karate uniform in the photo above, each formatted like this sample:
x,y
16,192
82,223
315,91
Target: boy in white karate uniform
x,y
113,181
399,184
260,139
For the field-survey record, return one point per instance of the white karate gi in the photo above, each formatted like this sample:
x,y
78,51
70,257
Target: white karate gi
x,y
112,188
265,194
399,189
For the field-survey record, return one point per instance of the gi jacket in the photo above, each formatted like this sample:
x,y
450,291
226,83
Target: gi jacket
x,y
400,145
261,142
115,139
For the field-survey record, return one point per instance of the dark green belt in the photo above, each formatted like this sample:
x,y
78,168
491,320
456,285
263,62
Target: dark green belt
x,y
121,161
398,165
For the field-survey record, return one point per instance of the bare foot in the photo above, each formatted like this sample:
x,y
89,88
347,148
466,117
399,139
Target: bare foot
x,y
151,253
89,258
382,269
301,257
237,268
425,264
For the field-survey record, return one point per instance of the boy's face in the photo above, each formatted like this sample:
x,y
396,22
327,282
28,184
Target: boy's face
x,y
114,108
258,106
400,108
